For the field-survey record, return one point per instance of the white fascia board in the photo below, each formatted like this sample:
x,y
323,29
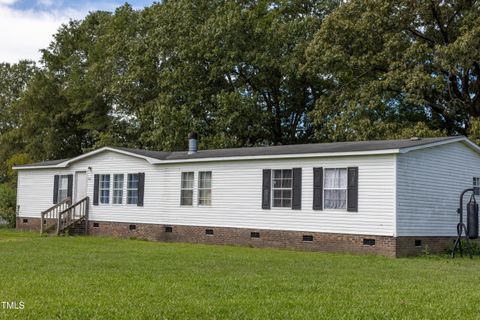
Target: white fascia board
x,y
440,143
472,145
66,163
283,156
86,155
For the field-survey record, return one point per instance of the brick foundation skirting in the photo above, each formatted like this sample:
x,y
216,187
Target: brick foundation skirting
x,y
298,240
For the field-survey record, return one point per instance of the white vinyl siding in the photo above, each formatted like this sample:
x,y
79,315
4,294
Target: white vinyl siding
x,y
429,185
118,188
236,194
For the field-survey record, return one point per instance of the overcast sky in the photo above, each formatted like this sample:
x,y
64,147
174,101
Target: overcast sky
x,y
26,26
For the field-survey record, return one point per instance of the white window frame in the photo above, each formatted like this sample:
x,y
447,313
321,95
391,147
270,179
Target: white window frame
x,y
129,189
118,189
476,181
204,189
182,188
281,189
62,189
325,189
101,188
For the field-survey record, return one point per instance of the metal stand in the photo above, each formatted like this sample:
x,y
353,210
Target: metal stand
x,y
461,227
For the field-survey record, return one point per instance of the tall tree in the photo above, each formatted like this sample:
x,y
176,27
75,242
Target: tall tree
x,y
14,80
66,105
398,67
231,70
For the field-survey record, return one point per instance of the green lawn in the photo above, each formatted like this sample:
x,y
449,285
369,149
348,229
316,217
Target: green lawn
x,y
103,278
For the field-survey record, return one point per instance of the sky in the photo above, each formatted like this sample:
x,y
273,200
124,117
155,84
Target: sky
x,y
26,26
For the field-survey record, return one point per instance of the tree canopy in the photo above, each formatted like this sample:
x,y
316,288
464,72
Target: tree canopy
x,y
398,65
245,73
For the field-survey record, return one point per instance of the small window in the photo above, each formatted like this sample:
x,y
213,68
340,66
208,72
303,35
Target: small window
x,y
282,188
186,193
476,181
335,189
118,188
255,235
25,220
368,242
132,188
96,225
104,189
132,227
307,238
62,188
209,232
168,229
418,243
205,188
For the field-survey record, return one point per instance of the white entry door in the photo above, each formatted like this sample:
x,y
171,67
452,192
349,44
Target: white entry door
x,y
80,185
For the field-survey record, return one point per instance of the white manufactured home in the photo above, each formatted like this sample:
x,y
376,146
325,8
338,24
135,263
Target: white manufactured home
x,y
393,197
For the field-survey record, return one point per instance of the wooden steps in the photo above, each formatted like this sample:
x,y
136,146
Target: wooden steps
x,y
65,218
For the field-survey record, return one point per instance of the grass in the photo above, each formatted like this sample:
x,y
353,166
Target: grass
x,y
104,278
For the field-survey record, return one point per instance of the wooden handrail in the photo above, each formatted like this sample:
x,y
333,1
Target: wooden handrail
x,y
66,200
53,212
71,215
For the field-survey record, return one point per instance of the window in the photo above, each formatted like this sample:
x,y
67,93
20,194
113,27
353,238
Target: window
x,y
282,188
105,188
205,188
117,188
335,189
476,181
186,193
132,188
62,188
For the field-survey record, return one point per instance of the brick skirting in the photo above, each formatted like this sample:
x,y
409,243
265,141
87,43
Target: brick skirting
x,y
298,240
28,224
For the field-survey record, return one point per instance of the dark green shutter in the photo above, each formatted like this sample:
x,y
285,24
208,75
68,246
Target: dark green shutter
x,y
70,187
141,188
317,188
352,186
56,180
266,189
297,189
96,184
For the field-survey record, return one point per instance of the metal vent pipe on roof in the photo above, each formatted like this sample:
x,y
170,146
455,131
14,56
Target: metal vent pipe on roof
x,y
192,143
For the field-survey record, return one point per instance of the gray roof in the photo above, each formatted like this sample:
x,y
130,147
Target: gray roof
x,y
43,163
334,147
318,148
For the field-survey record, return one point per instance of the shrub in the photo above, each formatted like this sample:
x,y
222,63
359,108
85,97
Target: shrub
x,y
8,204
475,247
